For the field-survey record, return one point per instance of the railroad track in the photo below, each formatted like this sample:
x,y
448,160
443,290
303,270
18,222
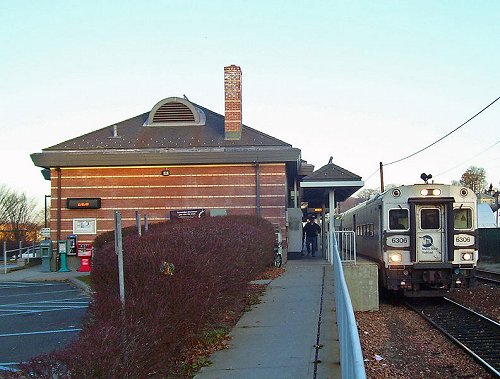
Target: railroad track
x,y
478,335
488,276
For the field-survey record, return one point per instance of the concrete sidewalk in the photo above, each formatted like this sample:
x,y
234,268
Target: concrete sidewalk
x,y
291,334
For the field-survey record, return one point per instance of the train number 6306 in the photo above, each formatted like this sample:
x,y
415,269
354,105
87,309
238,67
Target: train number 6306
x,y
398,241
464,240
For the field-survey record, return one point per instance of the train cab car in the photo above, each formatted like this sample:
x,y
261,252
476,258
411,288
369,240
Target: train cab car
x,y
422,236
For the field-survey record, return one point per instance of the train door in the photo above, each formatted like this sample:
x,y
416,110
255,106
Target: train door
x,y
430,232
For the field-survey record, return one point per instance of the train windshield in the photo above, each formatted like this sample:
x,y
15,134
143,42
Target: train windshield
x,y
429,219
398,219
462,218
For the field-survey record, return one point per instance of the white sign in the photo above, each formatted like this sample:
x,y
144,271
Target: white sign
x,y
84,226
45,232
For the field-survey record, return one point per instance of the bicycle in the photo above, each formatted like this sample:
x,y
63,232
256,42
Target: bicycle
x,y
278,258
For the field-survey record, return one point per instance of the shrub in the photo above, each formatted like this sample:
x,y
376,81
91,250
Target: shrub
x,y
179,279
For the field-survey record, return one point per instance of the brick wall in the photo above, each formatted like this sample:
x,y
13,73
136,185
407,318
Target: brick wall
x,y
145,189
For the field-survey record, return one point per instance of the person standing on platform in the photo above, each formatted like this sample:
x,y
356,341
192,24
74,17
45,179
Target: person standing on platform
x,y
311,231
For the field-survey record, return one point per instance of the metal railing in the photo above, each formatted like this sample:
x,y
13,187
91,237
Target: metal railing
x,y
27,252
351,356
346,244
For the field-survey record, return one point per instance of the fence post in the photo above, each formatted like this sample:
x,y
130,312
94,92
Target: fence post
x,y
5,257
33,250
146,224
119,252
138,222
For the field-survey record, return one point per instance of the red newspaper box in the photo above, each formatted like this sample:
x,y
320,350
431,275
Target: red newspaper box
x,y
84,251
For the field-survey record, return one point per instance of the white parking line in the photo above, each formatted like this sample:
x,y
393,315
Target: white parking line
x,y
3,366
43,306
55,305
19,312
40,293
81,300
41,332
26,284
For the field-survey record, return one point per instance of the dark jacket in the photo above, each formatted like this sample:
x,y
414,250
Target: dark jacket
x,y
311,229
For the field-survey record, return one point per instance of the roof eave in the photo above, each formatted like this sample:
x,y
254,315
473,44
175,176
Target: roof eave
x,y
49,159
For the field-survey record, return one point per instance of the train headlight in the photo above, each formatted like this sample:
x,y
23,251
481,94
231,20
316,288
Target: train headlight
x,y
395,258
467,256
430,192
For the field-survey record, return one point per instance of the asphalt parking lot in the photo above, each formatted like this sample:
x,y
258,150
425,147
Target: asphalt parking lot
x,y
38,318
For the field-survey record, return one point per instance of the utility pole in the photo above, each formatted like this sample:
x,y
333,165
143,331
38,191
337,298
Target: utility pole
x,y
381,178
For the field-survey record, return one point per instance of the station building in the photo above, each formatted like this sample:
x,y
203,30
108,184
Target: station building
x,y
178,159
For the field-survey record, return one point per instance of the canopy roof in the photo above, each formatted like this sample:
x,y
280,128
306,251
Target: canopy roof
x,y
317,186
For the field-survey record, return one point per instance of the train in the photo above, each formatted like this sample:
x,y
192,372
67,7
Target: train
x,y
422,236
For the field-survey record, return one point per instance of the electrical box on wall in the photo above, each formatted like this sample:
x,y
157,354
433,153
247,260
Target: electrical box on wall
x,y
294,229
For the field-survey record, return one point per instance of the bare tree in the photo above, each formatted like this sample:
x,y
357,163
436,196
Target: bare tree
x,y
474,178
18,214
366,193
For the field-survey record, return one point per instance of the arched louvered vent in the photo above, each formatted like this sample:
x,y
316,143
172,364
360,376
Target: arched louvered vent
x,y
175,111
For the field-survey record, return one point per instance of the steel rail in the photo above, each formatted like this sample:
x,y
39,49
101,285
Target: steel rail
x,y
488,276
495,370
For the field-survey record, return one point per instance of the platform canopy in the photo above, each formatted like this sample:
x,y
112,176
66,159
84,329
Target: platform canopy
x,y
319,187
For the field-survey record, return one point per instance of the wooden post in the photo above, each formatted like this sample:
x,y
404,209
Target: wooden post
x,y
381,178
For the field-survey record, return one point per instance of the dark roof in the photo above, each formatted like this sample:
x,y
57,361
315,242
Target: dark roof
x,y
331,172
136,143
134,134
316,186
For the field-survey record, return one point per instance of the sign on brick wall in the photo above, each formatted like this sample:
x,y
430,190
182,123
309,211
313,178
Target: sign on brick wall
x,y
187,213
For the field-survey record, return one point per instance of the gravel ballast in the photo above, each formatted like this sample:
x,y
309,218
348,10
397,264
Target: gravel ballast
x,y
398,343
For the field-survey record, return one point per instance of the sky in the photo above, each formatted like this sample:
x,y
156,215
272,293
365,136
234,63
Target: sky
x,y
361,81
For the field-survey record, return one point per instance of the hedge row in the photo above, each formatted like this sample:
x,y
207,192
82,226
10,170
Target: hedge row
x,y
179,279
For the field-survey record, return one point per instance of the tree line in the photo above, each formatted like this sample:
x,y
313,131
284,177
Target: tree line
x,y
20,217
473,178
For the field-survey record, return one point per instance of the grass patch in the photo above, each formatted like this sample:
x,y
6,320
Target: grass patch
x,y
214,336
85,279
252,297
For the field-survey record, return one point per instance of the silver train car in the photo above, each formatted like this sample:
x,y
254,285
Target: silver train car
x,y
422,236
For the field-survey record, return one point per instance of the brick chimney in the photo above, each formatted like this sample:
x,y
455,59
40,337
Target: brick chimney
x,y
232,95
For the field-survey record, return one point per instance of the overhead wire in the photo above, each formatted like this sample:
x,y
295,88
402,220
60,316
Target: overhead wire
x,y
373,173
442,138
468,159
